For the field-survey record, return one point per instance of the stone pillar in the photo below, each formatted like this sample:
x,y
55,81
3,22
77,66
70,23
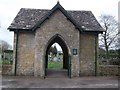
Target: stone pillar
x,y
14,50
75,65
39,57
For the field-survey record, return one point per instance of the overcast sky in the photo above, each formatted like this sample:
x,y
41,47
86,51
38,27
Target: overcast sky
x,y
10,8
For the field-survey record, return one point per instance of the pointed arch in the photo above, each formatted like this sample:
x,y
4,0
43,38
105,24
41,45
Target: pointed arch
x,y
58,39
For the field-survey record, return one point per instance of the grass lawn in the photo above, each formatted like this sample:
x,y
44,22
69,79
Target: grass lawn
x,y
55,64
5,62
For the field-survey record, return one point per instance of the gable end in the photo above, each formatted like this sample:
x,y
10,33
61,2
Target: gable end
x,y
57,7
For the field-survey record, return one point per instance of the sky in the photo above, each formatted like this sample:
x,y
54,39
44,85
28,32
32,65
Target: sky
x,y
10,8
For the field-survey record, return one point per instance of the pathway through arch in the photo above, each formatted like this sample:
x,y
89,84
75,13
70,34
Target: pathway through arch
x,y
61,72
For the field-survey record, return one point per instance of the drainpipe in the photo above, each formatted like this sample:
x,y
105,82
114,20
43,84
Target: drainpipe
x,y
16,52
96,45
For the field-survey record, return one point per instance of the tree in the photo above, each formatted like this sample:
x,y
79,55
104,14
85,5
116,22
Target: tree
x,y
53,50
109,37
118,43
4,45
50,50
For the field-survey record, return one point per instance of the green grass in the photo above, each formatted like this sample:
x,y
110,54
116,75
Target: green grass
x,y
55,64
5,62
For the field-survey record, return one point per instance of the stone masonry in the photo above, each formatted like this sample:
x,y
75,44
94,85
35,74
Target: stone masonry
x,y
47,30
32,46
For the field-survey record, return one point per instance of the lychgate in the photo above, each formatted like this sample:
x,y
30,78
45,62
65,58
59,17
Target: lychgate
x,y
35,30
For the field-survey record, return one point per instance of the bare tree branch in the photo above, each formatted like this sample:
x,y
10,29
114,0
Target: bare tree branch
x,y
108,38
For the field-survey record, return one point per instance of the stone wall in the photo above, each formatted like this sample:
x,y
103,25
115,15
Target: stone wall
x,y
107,70
87,54
103,70
56,24
14,52
6,69
25,62
32,47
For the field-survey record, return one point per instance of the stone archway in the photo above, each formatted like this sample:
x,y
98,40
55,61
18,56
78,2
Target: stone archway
x,y
58,39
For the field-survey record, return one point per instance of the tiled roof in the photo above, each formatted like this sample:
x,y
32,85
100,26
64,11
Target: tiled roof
x,y
86,20
27,19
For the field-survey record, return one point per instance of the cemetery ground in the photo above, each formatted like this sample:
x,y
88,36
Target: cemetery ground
x,y
55,64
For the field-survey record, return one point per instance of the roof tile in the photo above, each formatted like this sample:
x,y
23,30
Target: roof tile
x,y
28,18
